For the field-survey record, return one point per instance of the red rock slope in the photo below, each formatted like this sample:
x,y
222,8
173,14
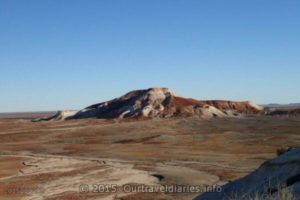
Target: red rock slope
x,y
163,103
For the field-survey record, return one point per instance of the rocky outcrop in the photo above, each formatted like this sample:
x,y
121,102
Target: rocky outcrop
x,y
163,103
147,103
281,173
240,107
59,115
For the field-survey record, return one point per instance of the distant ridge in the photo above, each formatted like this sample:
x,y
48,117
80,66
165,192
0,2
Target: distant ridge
x,y
282,106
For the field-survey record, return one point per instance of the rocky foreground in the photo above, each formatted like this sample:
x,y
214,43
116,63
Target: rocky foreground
x,y
273,177
159,103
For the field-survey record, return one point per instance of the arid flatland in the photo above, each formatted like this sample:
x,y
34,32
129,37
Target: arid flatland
x,y
57,156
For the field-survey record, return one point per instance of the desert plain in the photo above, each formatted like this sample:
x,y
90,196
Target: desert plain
x,y
51,160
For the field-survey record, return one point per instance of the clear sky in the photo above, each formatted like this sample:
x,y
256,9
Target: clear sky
x,y
68,54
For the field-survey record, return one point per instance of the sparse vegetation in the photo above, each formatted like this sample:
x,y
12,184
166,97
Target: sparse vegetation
x,y
188,150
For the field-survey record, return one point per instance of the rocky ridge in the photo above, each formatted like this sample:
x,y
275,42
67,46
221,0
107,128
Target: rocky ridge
x,y
161,103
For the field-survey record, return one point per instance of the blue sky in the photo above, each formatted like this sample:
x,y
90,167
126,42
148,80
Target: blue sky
x,y
68,54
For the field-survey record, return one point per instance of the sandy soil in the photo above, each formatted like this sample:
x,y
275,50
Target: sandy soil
x,y
51,160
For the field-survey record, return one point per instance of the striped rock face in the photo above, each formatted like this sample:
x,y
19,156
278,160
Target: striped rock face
x,y
163,103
